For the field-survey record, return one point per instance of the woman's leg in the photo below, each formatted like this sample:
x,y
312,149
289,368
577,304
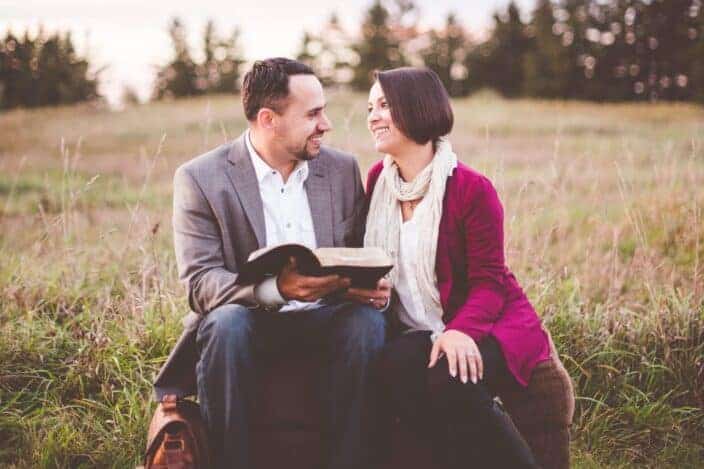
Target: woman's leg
x,y
477,432
402,386
462,421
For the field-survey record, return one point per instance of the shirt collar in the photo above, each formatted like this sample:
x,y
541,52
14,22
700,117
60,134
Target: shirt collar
x,y
262,169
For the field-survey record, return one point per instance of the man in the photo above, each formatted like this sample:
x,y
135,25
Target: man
x,y
275,184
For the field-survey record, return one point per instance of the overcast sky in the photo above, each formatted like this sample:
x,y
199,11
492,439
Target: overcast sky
x,y
129,36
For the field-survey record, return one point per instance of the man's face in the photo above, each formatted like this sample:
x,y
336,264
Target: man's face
x,y
300,127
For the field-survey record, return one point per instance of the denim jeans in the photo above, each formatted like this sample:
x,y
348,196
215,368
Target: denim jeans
x,y
231,337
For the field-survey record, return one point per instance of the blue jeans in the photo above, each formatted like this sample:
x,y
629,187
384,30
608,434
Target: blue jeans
x,y
230,338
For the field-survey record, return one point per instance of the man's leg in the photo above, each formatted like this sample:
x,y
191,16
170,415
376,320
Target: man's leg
x,y
349,335
357,335
225,373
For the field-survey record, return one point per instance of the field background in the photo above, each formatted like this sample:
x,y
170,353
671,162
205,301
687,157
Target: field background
x,y
604,227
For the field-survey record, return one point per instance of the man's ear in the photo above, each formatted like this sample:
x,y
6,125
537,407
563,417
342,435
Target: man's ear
x,y
266,118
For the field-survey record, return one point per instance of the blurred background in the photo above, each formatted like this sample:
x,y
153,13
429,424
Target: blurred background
x,y
586,115
64,52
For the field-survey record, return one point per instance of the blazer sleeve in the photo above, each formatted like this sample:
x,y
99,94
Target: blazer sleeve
x,y
199,253
484,239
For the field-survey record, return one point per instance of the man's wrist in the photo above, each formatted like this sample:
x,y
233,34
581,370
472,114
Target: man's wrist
x,y
268,295
386,305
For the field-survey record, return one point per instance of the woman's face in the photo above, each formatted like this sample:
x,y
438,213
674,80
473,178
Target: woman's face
x,y
387,137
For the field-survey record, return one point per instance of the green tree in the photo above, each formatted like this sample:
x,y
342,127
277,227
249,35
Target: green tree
x,y
671,37
179,77
378,49
546,63
44,71
498,62
220,70
579,53
330,53
696,77
445,54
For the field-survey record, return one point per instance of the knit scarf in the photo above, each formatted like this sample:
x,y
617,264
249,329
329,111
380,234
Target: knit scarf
x,y
385,218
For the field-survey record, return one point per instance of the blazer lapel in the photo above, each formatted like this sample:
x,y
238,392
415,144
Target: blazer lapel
x,y
246,185
320,201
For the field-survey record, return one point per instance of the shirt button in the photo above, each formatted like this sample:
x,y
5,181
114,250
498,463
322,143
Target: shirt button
x,y
282,190
288,225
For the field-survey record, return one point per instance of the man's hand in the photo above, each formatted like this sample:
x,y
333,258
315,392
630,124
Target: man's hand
x,y
462,352
377,297
294,286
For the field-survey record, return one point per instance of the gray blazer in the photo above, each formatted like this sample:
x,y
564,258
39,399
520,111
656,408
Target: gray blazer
x,y
218,221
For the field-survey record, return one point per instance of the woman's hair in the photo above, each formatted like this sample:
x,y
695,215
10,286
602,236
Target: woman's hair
x,y
420,106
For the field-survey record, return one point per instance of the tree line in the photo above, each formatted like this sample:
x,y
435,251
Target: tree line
x,y
43,70
616,50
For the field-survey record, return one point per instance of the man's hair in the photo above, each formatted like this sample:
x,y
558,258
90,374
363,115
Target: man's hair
x,y
266,84
420,106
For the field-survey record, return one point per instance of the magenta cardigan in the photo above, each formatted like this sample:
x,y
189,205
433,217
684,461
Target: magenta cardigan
x,y
479,294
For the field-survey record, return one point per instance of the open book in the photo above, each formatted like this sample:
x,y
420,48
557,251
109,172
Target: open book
x,y
364,266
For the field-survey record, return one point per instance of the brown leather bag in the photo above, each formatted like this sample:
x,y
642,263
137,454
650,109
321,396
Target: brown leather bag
x,y
177,438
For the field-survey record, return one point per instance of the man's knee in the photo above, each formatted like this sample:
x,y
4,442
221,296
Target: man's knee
x,y
228,324
363,326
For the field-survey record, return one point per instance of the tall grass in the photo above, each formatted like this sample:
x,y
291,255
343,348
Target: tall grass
x,y
604,230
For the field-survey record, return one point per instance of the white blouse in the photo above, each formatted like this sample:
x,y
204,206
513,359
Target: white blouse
x,y
411,311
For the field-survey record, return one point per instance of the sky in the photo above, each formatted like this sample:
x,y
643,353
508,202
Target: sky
x,y
128,38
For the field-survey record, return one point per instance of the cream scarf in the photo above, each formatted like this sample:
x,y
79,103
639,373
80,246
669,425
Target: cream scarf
x,y
385,218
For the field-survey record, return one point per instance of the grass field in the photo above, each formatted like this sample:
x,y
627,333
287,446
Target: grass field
x,y
605,230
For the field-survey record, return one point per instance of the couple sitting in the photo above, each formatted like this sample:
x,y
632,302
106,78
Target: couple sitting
x,y
458,322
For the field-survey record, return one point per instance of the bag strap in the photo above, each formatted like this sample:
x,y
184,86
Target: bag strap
x,y
169,403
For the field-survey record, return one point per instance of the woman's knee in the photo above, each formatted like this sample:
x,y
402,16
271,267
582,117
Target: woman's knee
x,y
450,394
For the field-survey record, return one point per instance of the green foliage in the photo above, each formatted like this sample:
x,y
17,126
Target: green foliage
x,y
219,72
43,71
590,49
499,61
445,54
379,47
697,71
617,50
329,53
546,63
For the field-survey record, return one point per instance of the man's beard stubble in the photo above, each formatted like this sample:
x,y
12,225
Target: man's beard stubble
x,y
303,154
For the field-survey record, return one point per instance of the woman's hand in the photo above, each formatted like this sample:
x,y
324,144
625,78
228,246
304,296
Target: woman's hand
x,y
462,352
377,297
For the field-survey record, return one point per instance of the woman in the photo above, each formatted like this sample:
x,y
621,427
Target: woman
x,y
465,323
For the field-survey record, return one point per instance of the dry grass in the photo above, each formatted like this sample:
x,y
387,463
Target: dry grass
x,y
604,229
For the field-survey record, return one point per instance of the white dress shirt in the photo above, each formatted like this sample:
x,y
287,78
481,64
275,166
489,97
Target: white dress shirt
x,y
411,310
287,219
